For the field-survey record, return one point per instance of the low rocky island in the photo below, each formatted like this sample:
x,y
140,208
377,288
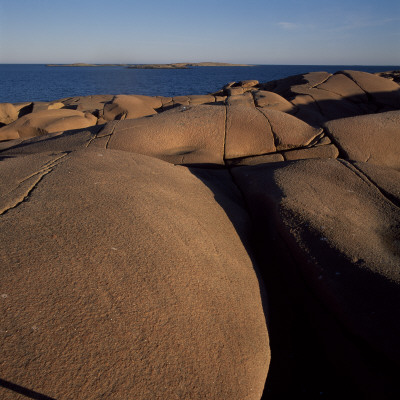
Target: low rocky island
x,y
86,65
154,66
186,65
242,244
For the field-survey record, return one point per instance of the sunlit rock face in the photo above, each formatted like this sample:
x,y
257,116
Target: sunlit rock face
x,y
234,245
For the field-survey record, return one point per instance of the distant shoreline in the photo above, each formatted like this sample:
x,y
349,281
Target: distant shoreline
x,y
154,66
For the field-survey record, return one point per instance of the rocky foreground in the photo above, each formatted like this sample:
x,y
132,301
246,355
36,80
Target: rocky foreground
x,y
203,247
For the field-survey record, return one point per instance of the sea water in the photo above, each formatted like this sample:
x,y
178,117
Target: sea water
x,y
36,82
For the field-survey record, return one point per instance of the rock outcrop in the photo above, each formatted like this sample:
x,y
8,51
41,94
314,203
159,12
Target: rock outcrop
x,y
235,245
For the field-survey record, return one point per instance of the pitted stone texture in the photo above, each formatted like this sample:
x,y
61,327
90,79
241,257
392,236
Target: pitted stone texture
x,y
248,133
46,121
130,107
137,287
370,138
182,135
289,131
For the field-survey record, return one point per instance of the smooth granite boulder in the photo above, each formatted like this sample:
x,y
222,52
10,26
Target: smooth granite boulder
x,y
182,135
289,131
46,121
122,278
129,107
344,86
373,138
263,98
248,132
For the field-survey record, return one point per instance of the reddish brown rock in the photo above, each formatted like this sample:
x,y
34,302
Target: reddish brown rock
x,y
8,113
327,151
248,83
183,135
332,97
370,138
46,121
289,131
263,98
382,91
130,107
201,99
345,87
181,100
245,100
122,275
329,234
248,133
93,104
255,160
233,91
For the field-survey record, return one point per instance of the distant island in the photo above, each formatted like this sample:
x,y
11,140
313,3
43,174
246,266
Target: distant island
x,y
86,65
154,66
186,65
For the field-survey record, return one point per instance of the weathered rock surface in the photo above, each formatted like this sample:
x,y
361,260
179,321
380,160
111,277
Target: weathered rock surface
x,y
8,113
135,247
369,138
344,252
164,303
130,107
47,121
184,135
263,98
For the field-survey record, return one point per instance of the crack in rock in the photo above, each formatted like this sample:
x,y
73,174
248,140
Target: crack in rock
x,y
26,186
277,141
357,171
320,83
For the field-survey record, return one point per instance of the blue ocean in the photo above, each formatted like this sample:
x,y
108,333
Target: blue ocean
x,y
36,82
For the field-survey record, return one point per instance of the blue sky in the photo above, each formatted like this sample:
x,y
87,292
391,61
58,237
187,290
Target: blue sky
x,y
351,32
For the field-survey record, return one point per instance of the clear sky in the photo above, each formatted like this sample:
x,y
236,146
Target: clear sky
x,y
357,32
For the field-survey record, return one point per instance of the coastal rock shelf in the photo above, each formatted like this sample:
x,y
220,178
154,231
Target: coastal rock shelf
x,y
243,244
